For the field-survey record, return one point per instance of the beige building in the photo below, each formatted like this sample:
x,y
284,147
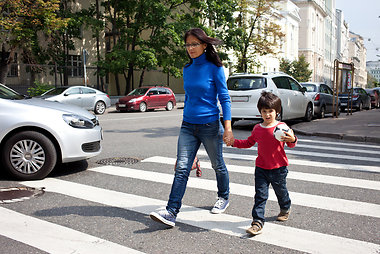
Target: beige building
x,y
358,56
312,35
342,37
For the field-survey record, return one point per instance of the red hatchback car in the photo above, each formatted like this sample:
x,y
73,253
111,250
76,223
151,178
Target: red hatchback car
x,y
147,97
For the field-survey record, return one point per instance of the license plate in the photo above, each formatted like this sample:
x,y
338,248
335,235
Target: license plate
x,y
122,105
239,98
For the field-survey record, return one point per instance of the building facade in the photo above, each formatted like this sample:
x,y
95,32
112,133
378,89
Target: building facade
x,y
373,67
312,36
357,56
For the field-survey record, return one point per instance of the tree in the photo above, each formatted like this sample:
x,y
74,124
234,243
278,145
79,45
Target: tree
x,y
21,25
257,34
147,34
298,69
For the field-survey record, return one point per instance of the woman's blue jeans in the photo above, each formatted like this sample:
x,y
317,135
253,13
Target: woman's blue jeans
x,y
190,138
277,178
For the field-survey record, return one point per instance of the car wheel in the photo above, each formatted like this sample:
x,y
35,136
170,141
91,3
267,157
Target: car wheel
x,y
169,106
142,107
322,113
29,155
100,108
308,113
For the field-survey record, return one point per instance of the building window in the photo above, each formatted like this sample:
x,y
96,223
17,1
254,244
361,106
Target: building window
x,y
13,70
76,66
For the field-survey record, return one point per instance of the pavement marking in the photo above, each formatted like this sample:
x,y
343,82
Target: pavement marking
x,y
341,143
53,238
302,199
323,155
283,236
340,149
319,164
325,179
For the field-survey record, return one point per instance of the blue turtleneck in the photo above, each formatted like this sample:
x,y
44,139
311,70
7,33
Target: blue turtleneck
x,y
204,84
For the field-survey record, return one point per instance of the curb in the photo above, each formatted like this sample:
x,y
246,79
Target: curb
x,y
340,136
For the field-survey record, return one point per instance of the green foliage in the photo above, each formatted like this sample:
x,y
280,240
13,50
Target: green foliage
x,y
299,69
21,22
256,34
147,34
38,88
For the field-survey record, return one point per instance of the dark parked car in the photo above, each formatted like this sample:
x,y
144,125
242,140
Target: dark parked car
x,y
148,97
322,98
375,97
360,99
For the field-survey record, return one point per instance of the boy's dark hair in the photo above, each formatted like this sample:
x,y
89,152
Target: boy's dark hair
x,y
269,100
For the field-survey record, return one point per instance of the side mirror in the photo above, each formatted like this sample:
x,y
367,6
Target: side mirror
x,y
303,89
66,94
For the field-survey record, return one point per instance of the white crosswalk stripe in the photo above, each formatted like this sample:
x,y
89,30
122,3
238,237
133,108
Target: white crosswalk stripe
x,y
287,237
30,230
64,240
343,181
328,203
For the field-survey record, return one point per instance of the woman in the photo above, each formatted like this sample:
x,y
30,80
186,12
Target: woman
x,y
204,84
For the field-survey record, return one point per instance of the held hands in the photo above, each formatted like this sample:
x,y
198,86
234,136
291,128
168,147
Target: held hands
x,y
289,137
228,136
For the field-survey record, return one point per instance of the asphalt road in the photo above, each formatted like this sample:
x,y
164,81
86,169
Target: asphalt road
x,y
90,207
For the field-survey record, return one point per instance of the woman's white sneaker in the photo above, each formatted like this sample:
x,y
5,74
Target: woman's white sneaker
x,y
220,205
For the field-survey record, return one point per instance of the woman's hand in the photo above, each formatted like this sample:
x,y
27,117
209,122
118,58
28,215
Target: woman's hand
x,y
228,136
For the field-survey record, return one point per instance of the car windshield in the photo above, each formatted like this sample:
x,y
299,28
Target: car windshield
x,y
310,87
247,83
55,91
139,91
6,93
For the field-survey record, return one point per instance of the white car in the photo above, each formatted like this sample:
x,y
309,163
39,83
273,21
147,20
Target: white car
x,y
82,96
36,134
245,90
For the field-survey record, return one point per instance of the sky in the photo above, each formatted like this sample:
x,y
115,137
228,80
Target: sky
x,y
363,18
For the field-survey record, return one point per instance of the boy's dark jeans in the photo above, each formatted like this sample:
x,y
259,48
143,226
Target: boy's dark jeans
x,y
277,178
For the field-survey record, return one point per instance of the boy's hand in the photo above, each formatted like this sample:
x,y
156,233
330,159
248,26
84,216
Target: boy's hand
x,y
228,137
289,137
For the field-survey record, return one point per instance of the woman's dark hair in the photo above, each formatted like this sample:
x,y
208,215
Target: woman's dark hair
x,y
211,54
269,101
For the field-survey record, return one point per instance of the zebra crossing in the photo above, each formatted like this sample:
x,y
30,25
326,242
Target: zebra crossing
x,y
68,240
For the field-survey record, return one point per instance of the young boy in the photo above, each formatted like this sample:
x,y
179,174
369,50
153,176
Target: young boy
x,y
271,162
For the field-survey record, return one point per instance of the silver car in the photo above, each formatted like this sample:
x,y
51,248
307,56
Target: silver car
x,y
82,96
323,98
36,134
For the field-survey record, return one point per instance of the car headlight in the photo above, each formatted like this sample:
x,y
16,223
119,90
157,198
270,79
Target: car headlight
x,y
134,100
77,121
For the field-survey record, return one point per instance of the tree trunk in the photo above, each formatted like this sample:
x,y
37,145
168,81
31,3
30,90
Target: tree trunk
x,y
142,77
4,64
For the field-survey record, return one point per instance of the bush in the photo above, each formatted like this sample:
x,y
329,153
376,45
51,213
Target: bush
x,y
38,88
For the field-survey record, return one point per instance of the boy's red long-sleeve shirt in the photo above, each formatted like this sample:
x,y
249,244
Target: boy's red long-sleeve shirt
x,y
271,153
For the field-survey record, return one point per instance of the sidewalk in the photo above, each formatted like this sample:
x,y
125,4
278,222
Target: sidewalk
x,y
363,126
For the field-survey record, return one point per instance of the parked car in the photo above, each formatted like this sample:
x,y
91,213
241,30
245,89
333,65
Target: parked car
x,y
147,98
36,134
82,96
360,99
323,98
375,97
245,90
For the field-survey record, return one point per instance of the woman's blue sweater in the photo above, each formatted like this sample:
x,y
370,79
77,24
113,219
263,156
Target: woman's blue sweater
x,y
204,84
